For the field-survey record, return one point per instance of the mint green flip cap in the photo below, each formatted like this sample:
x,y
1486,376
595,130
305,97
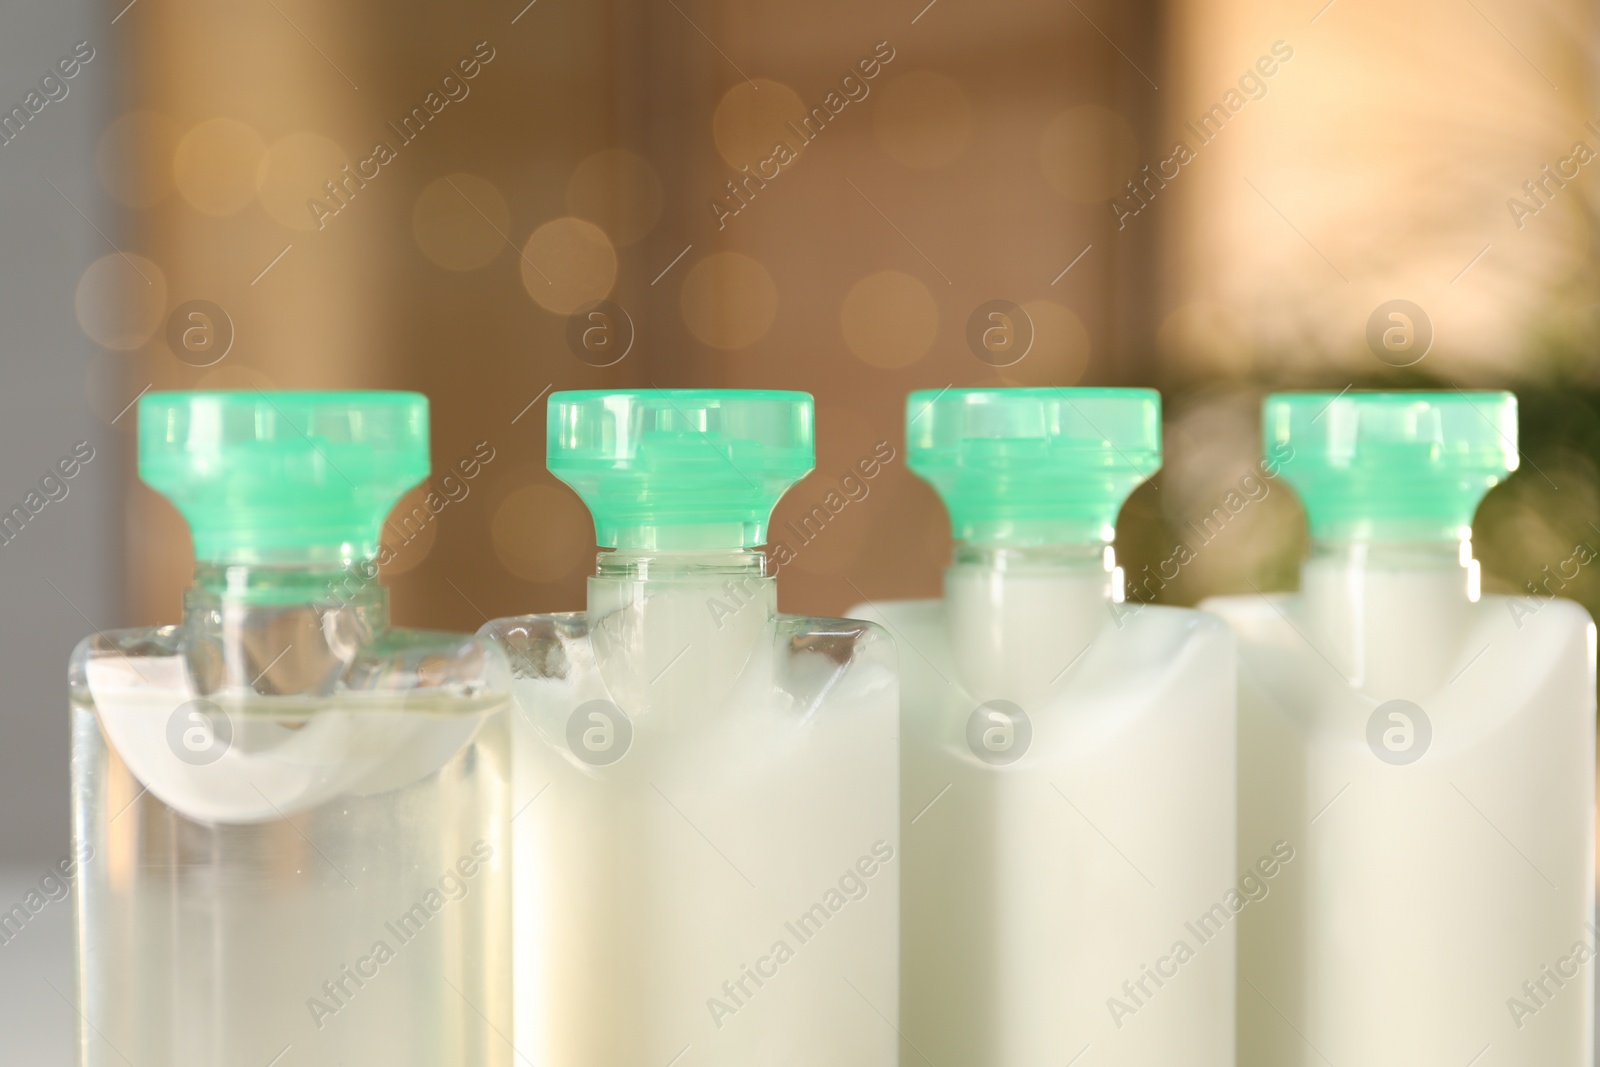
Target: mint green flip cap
x,y
1034,466
283,476
1390,466
681,468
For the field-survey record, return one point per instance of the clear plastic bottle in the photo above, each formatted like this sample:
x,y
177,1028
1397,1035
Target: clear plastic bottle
x,y
295,817
707,863
1067,758
1429,750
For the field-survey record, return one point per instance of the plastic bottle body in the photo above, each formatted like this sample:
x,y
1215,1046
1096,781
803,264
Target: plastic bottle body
x,y
1432,754
307,854
707,850
1068,819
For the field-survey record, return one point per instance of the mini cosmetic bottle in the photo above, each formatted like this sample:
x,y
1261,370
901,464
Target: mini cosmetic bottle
x,y
1070,890
1428,750
707,856
291,818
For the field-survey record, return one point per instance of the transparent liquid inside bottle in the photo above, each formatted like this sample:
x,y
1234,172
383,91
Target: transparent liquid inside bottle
x,y
293,825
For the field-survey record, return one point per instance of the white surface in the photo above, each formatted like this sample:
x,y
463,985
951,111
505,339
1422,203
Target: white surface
x,y
36,1021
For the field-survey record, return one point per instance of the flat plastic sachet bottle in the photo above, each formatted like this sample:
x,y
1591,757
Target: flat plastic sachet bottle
x,y
707,860
1428,749
1067,757
292,816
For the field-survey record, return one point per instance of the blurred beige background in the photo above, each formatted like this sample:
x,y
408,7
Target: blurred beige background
x,y
1212,199
955,156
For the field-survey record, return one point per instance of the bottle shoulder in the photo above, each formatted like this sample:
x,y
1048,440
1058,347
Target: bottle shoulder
x,y
1476,660
1197,621
861,636
801,653
1561,613
128,645
1129,621
538,646
816,656
174,657
1124,655
403,658
1261,616
130,641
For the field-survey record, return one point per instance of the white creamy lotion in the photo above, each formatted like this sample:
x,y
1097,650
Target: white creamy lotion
x,y
1070,884
1429,750
707,857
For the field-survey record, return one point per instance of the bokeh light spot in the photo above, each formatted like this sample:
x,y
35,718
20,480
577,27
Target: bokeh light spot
x,y
617,190
1060,352
751,118
409,532
729,300
293,172
120,300
217,164
567,263
459,221
541,533
889,319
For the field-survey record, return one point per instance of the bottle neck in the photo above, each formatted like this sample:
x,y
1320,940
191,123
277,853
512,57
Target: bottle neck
x,y
1017,617
691,565
695,591
1078,558
1440,569
282,628
338,583
1385,610
676,630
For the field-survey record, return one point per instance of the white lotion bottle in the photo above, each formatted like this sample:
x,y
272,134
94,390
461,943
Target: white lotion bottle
x,y
707,857
1429,750
1070,885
